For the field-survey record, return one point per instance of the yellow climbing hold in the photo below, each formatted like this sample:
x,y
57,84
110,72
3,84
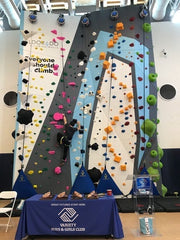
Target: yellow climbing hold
x,y
30,172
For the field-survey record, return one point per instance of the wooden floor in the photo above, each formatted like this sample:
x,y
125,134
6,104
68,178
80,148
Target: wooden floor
x,y
166,225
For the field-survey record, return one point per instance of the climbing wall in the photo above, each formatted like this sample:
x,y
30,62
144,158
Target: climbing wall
x,y
104,76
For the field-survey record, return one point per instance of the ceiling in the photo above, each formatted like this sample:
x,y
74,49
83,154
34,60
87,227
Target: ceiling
x,y
10,9
66,4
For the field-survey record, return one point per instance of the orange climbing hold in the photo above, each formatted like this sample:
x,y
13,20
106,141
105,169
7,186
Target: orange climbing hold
x,y
130,96
119,26
113,122
102,56
108,129
111,150
116,118
106,64
117,159
110,43
123,167
121,111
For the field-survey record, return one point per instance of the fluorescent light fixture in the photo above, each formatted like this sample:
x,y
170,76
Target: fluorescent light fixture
x,y
176,17
80,13
1,25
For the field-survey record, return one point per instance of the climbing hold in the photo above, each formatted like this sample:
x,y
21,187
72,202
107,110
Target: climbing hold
x,y
164,190
58,116
160,164
148,144
106,64
151,100
151,64
155,165
152,77
57,170
30,172
51,152
155,173
102,56
147,27
123,167
148,127
119,26
108,129
117,159
160,152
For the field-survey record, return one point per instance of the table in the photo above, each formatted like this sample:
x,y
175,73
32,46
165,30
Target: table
x,y
70,217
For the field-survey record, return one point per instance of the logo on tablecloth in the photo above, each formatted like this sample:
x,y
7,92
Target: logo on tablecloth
x,y
68,214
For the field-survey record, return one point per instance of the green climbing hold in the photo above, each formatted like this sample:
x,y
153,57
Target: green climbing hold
x,y
148,144
160,164
152,77
154,173
151,100
44,169
154,153
155,165
160,153
148,127
147,27
157,121
164,190
67,41
151,64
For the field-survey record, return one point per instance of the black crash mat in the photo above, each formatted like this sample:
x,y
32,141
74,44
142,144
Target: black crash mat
x,y
166,204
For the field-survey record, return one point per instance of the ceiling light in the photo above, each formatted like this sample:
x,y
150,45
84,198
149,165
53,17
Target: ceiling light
x,y
176,17
1,25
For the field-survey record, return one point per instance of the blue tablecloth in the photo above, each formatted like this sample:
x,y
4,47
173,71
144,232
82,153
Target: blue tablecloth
x,y
69,217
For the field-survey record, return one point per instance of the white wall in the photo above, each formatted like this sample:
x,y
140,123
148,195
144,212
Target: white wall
x,y
9,46
166,35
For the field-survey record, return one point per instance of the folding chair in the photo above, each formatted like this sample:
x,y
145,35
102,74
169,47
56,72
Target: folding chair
x,y
9,209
